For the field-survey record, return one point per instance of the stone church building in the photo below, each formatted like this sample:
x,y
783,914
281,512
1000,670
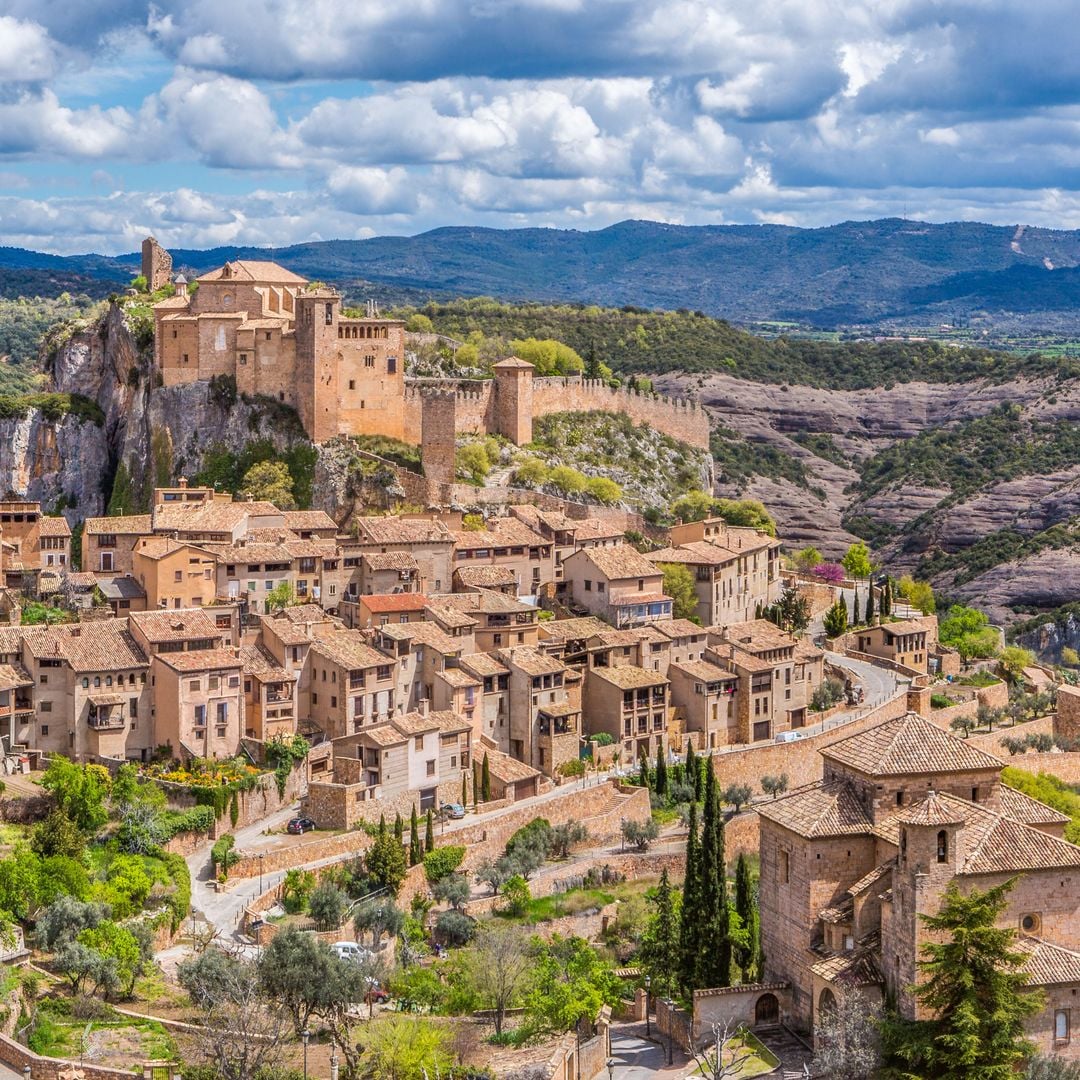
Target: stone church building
x,y
850,863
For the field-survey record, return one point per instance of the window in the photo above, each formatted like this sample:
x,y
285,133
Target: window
x,y
899,798
588,585
86,684
200,715
45,727
391,365
942,846
352,384
178,575
431,768
46,706
222,712
419,742
784,868
1062,1025
195,684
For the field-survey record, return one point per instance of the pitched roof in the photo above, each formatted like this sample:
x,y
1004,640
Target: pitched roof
x,y
349,649
758,635
1048,964
696,553
482,600
531,660
629,676
1028,811
857,968
819,810
422,633
53,526
122,587
484,576
679,628
101,645
932,811
389,560
902,628
704,671
615,563
483,665
385,602
260,663
499,533
302,520
503,767
398,530
14,675
184,625
562,630
867,880
200,659
908,745
512,362
260,270
160,547
125,525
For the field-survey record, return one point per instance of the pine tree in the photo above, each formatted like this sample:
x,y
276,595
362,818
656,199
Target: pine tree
x,y
870,606
643,771
485,780
416,853
688,922
429,833
975,989
660,944
399,828
714,942
660,782
843,603
747,909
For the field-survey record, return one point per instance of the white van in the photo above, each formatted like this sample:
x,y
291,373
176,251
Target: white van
x,y
349,950
790,736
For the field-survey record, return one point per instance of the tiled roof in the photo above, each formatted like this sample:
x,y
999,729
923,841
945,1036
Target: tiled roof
x,y
251,554
932,811
451,617
215,516
629,676
258,662
1028,811
741,658
704,671
396,530
500,532
444,720
200,660
304,613
840,913
743,539
302,520
125,525
385,602
613,638
908,745
1048,964
679,628
483,665
348,649
819,810
512,362
53,526
483,576
758,635
629,599
120,588
870,879
82,579
101,645
486,601
382,735
457,677
618,562
315,548
562,630
259,270
183,625
422,633
505,768
531,660
13,676
857,968
901,629
270,536
159,547
697,553
389,560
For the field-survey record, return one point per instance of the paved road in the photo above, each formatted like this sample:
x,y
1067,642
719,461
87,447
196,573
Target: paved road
x,y
879,683
637,1058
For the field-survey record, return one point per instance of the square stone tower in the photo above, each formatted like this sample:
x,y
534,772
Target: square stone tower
x,y
438,430
514,400
318,362
156,265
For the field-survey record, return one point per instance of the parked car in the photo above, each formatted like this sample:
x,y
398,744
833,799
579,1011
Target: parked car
x,y
452,810
376,994
349,950
790,736
300,825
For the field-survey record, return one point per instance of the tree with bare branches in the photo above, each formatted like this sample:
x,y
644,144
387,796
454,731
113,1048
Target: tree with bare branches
x,y
724,1055
500,966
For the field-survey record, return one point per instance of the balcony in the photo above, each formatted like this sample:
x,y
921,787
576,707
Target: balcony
x,y
106,721
278,697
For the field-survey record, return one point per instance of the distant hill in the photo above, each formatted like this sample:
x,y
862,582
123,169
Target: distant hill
x,y
851,274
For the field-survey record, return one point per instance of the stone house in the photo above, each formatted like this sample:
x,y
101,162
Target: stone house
x,y
174,574
631,705
499,621
567,534
349,684
199,702
108,543
430,543
510,544
378,609
849,864
903,642
618,585
269,695
705,697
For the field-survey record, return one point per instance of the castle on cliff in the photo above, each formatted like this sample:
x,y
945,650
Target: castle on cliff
x,y
281,336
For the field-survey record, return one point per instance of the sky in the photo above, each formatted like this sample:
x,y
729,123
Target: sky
x,y
272,122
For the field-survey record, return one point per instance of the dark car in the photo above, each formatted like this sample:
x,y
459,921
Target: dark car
x,y
300,825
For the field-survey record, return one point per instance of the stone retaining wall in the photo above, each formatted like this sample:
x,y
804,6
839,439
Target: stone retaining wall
x,y
800,760
16,1056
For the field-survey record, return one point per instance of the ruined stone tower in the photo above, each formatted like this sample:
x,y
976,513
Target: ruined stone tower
x,y
438,424
156,264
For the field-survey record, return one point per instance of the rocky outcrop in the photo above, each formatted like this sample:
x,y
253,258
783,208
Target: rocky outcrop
x,y
1050,637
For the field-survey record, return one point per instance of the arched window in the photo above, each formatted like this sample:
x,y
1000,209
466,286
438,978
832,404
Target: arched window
x,y
943,846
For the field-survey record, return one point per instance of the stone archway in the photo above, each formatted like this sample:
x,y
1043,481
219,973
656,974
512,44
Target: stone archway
x,y
767,1009
826,1002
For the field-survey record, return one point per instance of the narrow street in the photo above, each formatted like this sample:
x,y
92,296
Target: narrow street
x,y
637,1058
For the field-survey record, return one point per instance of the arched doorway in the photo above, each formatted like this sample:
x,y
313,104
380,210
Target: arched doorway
x,y
767,1009
826,1002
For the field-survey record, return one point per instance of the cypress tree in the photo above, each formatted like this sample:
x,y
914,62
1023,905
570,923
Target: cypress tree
x,y
701,764
660,947
688,921
746,956
429,833
885,607
643,771
843,603
464,791
399,828
714,941
693,774
661,772
485,780
416,853
855,606
475,782
382,826
870,606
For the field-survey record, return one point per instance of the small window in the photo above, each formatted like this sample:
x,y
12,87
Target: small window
x,y
419,742
942,846
1062,1025
784,868
352,384
431,768
45,727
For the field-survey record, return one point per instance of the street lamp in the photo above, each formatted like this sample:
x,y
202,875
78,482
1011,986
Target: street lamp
x,y
262,855
648,1026
26,1071
611,1068
305,1035
671,1016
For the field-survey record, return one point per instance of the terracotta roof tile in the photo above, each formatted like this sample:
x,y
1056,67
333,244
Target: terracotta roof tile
x,y
486,601
697,553
389,560
302,520
819,810
484,576
562,630
125,525
680,628
53,526
386,602
349,649
530,660
499,533
200,659
397,530
618,562
258,662
757,635
933,810
629,676
184,625
483,665
908,745
1028,811
870,879
1048,964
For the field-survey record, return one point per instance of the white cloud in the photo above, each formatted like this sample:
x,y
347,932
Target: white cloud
x,y
26,53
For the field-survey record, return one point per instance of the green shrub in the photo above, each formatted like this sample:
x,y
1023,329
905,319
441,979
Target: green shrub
x,y
442,861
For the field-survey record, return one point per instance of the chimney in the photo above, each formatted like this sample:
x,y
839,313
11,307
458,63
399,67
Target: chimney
x,y
182,482
424,707
181,285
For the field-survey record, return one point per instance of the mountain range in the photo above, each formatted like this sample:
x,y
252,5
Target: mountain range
x,y
853,274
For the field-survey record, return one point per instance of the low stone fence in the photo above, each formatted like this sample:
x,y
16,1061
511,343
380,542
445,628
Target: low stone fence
x,y
338,846
17,1057
1064,766
944,717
